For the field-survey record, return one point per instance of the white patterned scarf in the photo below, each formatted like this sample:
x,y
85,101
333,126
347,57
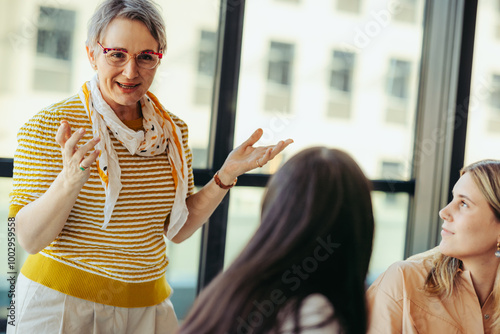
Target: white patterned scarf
x,y
160,135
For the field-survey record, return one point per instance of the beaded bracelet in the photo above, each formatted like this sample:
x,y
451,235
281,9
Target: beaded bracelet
x,y
222,185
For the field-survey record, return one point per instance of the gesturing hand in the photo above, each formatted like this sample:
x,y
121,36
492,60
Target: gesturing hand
x,y
75,164
247,157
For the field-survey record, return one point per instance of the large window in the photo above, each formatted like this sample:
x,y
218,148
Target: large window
x,y
355,82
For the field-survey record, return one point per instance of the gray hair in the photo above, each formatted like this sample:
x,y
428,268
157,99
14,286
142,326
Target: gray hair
x,y
145,11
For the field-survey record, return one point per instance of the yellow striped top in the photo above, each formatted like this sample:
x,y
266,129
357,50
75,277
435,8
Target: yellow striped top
x,y
123,265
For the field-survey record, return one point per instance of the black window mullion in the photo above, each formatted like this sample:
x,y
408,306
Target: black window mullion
x,y
6,167
222,132
463,92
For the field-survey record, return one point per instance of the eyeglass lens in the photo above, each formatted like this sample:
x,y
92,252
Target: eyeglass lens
x,y
120,58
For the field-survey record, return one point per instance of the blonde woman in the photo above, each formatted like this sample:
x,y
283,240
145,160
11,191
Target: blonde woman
x,y
450,289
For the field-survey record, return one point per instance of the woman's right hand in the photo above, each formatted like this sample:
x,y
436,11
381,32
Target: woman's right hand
x,y
41,221
76,157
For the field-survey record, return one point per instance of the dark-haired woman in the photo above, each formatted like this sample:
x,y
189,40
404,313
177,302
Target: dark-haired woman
x,y
304,269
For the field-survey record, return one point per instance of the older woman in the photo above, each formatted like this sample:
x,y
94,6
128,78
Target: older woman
x,y
454,287
93,211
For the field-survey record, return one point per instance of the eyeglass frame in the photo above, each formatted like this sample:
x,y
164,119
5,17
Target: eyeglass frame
x,y
106,50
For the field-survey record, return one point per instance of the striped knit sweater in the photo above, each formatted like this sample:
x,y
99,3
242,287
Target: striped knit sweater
x,y
123,265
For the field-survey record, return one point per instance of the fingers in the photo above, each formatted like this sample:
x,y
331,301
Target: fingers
x,y
72,154
87,147
63,133
278,148
71,143
71,146
273,151
253,138
88,161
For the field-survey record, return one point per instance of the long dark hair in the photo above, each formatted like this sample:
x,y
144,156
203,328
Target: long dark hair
x,y
315,237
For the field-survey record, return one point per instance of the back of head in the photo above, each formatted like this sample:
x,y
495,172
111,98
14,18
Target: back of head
x,y
315,237
145,11
319,195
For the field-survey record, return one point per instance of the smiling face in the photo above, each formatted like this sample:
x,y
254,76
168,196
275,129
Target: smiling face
x,y
122,87
470,228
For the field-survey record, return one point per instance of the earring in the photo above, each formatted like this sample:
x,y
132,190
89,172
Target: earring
x,y
497,253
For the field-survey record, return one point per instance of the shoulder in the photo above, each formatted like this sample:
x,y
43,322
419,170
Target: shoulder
x,y
51,115
315,310
401,277
179,122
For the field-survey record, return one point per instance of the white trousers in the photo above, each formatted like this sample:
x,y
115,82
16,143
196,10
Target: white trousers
x,y
41,310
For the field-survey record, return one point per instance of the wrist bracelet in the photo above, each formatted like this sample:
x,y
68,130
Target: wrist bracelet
x,y
222,185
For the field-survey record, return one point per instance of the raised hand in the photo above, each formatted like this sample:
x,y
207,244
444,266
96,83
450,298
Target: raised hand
x,y
75,162
246,157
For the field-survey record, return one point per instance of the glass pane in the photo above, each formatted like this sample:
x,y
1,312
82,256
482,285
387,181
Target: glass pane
x,y
184,81
182,272
390,210
243,219
391,215
52,63
483,128
354,88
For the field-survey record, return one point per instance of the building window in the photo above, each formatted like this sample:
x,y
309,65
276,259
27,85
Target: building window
x,y
341,77
206,67
493,124
342,70
280,63
398,78
398,91
206,55
495,91
55,32
279,77
351,6
53,49
407,11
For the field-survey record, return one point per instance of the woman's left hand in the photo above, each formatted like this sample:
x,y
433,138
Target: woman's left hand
x,y
246,157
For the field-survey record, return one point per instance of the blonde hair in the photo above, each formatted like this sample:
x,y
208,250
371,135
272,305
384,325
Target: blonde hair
x,y
441,280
